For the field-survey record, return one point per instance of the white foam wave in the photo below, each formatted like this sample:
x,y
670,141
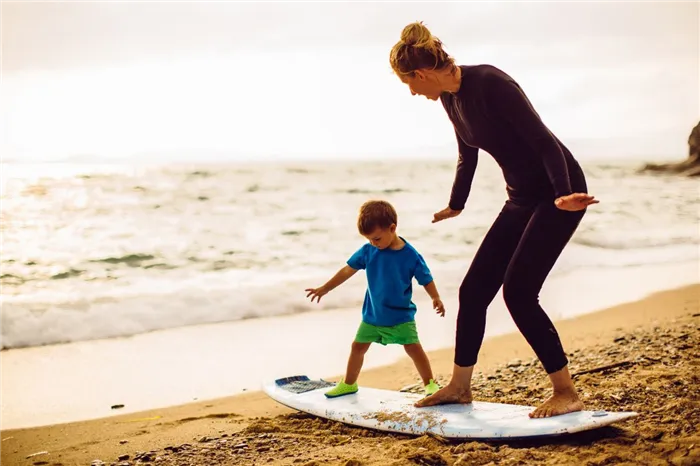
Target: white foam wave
x,y
43,318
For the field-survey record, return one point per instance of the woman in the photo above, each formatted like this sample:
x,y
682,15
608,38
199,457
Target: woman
x,y
547,197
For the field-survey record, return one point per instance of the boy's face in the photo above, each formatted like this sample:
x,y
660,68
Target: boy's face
x,y
381,238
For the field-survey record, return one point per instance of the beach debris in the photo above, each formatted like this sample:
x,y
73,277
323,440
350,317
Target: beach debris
x,y
97,463
152,418
7,438
603,368
428,459
145,456
655,435
514,363
123,457
122,442
117,406
437,437
408,388
39,453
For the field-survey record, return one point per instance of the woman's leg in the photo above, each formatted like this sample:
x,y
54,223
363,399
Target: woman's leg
x,y
542,243
479,287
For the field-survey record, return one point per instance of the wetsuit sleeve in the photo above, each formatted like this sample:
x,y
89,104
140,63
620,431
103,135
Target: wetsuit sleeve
x,y
508,100
466,166
358,261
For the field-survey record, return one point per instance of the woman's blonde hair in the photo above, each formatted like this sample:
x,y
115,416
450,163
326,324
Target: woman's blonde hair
x,y
418,49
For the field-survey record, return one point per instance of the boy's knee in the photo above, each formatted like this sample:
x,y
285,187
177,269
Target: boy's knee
x,y
359,348
413,348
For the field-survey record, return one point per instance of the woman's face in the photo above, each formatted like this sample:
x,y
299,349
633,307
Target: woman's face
x,y
423,82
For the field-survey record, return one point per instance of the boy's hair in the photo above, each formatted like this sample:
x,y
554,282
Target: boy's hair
x,y
376,214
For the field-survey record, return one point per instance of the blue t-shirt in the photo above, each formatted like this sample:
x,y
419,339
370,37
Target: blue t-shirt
x,y
389,282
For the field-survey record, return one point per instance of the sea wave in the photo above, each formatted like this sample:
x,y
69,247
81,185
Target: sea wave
x,y
630,242
86,256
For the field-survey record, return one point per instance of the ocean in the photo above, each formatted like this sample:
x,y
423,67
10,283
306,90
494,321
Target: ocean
x,y
94,251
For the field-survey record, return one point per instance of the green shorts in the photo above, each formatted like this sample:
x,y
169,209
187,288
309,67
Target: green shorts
x,y
402,334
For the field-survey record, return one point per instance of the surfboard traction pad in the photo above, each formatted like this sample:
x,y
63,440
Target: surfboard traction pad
x,y
301,384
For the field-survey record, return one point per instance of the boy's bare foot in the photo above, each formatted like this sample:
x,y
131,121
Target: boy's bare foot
x,y
449,394
559,403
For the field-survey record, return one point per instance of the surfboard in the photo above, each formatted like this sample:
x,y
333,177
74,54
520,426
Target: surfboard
x,y
393,411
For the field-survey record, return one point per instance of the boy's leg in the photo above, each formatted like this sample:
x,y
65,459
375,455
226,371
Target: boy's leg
x,y
348,385
420,359
406,334
357,358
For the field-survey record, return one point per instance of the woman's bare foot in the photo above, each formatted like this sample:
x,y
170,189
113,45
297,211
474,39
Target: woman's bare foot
x,y
447,395
557,404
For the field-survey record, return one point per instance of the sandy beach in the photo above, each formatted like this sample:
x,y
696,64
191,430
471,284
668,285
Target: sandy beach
x,y
656,340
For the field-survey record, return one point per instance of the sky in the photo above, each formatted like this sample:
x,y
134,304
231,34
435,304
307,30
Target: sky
x,y
164,81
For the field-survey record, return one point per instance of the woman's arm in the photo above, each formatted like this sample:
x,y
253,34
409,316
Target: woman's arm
x,y
464,175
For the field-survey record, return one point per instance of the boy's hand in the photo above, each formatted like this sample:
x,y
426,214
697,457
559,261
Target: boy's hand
x,y
439,307
316,293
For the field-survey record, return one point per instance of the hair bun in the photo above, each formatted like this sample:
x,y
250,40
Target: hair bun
x,y
416,34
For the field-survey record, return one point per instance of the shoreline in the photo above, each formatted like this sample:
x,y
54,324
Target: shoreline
x,y
83,441
211,361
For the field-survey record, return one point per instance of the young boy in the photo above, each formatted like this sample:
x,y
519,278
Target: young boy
x,y
388,312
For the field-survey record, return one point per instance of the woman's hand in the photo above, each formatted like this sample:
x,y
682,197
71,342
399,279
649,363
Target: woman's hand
x,y
575,202
445,214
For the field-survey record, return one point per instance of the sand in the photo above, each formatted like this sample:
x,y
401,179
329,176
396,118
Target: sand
x,y
655,343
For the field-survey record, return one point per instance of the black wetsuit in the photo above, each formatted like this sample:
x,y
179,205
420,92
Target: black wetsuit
x,y
491,112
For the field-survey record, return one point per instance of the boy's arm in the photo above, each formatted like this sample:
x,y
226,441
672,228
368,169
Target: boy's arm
x,y
431,288
425,279
338,279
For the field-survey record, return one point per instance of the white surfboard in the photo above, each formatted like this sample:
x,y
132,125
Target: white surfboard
x,y
393,411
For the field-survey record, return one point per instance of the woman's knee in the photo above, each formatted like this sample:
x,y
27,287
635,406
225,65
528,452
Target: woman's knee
x,y
518,296
473,293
